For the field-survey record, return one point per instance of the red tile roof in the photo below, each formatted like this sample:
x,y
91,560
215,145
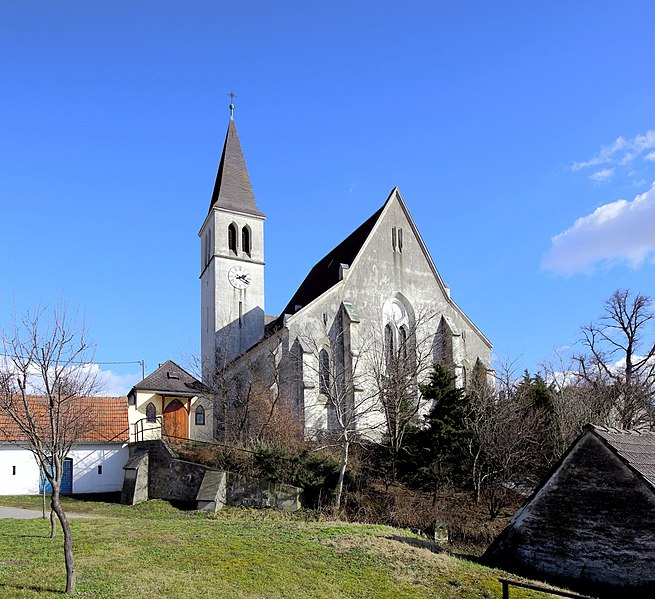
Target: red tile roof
x,y
90,419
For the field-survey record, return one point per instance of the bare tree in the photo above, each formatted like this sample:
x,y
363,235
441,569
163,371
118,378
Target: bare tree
x,y
575,402
398,359
507,440
44,375
351,414
619,365
250,394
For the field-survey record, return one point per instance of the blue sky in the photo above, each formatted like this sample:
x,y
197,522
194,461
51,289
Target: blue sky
x,y
521,135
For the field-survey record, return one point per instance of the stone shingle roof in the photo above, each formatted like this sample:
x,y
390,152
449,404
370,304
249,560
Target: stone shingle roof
x,y
92,419
171,379
232,189
635,448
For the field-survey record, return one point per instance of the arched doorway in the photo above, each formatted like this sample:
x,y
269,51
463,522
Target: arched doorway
x,y
176,420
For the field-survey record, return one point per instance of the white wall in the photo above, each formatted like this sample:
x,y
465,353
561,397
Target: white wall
x,y
86,459
26,479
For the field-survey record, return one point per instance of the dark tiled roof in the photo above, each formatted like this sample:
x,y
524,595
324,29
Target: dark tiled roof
x,y
171,379
325,273
636,448
87,419
232,189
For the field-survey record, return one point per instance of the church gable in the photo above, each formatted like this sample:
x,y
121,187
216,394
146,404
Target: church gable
x,y
394,256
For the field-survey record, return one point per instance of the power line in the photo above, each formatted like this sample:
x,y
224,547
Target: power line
x,y
140,362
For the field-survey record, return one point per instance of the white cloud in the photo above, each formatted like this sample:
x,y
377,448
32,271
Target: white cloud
x,y
622,232
113,384
602,175
621,152
109,383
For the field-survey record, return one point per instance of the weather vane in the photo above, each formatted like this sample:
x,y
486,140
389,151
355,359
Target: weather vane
x,y
232,96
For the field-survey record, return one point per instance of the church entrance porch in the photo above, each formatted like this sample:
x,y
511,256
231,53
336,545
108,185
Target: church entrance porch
x,y
176,420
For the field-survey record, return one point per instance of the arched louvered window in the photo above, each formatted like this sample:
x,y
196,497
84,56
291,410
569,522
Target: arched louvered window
x,y
245,240
200,416
232,238
151,412
324,372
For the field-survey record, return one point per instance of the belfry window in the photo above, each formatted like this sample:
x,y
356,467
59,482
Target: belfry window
x,y
245,240
232,238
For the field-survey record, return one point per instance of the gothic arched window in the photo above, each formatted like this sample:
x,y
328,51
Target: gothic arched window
x,y
232,238
245,240
151,412
388,345
200,416
323,372
402,346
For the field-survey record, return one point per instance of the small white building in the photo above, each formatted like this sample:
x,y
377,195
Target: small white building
x,y
94,464
168,403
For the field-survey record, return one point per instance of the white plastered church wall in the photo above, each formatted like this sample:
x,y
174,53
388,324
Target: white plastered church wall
x,y
380,276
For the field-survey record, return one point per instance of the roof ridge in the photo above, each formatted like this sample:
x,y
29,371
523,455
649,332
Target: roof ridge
x,y
322,276
624,431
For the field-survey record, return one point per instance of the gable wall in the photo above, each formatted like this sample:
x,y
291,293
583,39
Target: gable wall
x,y
594,520
378,275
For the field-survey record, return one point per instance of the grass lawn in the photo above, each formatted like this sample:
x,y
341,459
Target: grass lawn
x,y
154,550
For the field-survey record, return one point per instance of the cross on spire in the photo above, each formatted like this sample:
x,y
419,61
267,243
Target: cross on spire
x,y
232,96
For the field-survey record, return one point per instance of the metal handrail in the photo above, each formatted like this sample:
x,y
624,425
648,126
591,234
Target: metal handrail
x,y
158,424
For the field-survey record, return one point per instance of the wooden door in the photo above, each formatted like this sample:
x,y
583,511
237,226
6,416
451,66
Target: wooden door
x,y
176,420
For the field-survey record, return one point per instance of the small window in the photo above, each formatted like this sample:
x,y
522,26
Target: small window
x,y
245,240
13,470
200,416
240,314
400,240
100,469
323,372
232,238
151,412
393,238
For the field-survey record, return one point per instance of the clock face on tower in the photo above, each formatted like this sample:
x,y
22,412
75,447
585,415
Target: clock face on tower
x,y
239,277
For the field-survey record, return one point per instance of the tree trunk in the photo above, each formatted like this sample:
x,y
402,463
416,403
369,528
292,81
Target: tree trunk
x,y
53,524
342,473
68,541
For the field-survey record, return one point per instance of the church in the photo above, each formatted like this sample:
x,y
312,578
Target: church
x,y
365,327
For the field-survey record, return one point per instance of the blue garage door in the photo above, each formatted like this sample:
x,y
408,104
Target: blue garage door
x,y
66,480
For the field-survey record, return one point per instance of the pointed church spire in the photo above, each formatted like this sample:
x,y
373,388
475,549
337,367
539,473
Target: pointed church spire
x,y
233,190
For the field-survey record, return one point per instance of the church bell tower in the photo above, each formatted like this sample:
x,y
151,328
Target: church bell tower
x,y
231,262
